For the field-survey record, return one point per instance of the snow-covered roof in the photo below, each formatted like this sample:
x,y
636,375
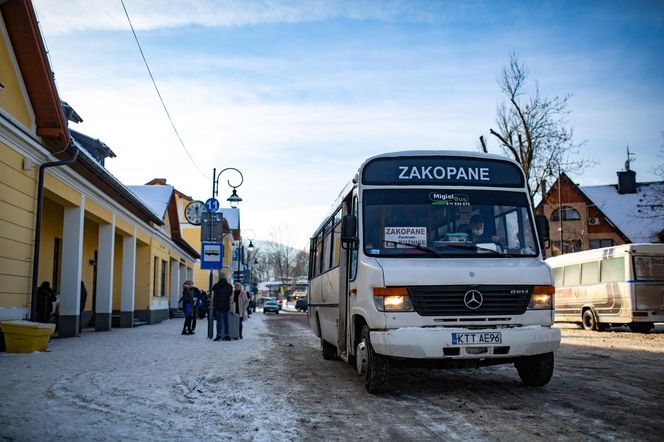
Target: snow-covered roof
x,y
156,198
630,212
232,216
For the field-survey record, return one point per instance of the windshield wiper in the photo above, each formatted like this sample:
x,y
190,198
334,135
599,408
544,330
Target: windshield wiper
x,y
415,246
475,247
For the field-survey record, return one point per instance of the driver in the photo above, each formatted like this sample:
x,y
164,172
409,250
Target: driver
x,y
477,234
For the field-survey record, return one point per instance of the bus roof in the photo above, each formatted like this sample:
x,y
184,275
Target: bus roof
x,y
443,153
606,252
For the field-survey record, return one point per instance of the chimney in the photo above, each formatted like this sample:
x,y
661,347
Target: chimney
x,y
543,188
627,178
626,182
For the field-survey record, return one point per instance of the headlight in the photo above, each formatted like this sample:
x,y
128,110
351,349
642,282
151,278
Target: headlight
x,y
392,299
542,297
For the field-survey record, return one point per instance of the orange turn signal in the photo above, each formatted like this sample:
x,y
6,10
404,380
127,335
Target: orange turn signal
x,y
544,290
390,291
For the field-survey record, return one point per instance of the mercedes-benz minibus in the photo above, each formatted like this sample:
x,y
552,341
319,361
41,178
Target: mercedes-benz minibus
x,y
433,259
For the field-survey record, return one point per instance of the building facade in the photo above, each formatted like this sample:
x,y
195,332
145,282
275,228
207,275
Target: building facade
x,y
590,217
64,218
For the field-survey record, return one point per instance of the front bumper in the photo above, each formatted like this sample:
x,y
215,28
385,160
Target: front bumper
x,y
436,342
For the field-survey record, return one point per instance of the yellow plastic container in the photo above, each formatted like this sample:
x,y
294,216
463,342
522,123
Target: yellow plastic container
x,y
26,336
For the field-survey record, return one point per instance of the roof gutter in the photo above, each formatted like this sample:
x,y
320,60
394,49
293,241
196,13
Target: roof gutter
x,y
40,206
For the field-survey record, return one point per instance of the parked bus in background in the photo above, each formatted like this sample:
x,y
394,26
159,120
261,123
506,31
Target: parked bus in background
x,y
620,285
432,258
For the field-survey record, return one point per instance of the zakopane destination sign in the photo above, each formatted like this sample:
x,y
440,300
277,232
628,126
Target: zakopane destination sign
x,y
442,170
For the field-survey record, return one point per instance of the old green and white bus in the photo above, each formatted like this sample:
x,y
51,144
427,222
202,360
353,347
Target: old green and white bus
x,y
432,258
619,285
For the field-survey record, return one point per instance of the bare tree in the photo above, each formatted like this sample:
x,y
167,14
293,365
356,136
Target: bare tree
x,y
281,255
533,128
301,265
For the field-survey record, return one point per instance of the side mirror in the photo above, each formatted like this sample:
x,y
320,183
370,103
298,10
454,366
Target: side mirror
x,y
349,231
542,224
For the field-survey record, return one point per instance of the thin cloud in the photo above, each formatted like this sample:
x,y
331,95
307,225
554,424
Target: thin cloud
x,y
67,16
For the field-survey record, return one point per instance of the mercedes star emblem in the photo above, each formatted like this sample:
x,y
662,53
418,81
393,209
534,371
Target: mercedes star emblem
x,y
473,299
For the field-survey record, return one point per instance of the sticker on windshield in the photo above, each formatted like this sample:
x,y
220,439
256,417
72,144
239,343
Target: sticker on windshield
x,y
449,199
405,237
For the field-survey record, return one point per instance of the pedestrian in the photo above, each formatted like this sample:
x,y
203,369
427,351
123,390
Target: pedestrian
x,y
221,302
45,300
195,304
249,301
84,300
186,300
240,304
204,305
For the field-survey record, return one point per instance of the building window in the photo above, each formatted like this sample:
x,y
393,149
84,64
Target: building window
x,y
599,243
569,214
163,278
155,276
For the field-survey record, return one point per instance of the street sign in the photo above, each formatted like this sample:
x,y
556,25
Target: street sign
x,y
212,228
212,205
238,276
212,255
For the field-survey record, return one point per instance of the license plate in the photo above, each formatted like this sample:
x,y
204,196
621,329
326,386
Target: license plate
x,y
476,338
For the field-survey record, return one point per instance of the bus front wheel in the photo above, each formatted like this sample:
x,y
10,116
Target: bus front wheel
x,y
373,367
536,370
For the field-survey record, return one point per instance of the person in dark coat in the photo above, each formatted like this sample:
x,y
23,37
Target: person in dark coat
x,y
45,300
187,300
195,304
84,299
205,305
222,305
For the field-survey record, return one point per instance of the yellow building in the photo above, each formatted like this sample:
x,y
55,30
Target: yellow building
x,y
131,258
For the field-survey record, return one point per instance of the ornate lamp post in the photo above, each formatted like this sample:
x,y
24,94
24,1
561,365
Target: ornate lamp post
x,y
234,199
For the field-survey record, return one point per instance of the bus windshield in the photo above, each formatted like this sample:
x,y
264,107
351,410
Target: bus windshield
x,y
435,223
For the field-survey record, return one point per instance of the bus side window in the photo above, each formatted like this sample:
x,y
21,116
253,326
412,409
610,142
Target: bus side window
x,y
590,272
613,270
558,276
353,256
573,274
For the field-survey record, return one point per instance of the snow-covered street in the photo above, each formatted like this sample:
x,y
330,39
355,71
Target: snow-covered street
x,y
147,383
152,383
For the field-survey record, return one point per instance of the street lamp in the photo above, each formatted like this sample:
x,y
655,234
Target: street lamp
x,y
233,200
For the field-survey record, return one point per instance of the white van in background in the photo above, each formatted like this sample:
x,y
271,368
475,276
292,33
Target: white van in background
x,y
619,285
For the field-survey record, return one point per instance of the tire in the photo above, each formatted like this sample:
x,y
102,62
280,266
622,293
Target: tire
x,y
536,370
641,327
588,320
370,365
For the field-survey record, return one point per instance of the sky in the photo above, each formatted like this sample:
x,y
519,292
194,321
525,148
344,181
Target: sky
x,y
297,94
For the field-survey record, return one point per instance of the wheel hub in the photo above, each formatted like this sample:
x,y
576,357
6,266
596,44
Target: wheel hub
x,y
361,357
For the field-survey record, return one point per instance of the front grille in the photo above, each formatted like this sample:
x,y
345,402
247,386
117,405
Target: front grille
x,y
443,300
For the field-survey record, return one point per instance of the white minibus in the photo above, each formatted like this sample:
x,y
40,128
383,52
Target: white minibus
x,y
433,259
619,285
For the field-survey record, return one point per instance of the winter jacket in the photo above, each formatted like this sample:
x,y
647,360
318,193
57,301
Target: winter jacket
x,y
241,305
222,296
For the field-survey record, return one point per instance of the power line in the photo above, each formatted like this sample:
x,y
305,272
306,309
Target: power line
x,y
177,134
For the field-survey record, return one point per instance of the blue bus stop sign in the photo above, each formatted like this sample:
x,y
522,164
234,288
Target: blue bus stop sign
x,y
212,205
212,255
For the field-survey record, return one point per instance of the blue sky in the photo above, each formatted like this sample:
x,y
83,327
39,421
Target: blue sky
x,y
298,94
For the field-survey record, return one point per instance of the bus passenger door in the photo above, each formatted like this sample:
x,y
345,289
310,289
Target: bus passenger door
x,y
343,286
